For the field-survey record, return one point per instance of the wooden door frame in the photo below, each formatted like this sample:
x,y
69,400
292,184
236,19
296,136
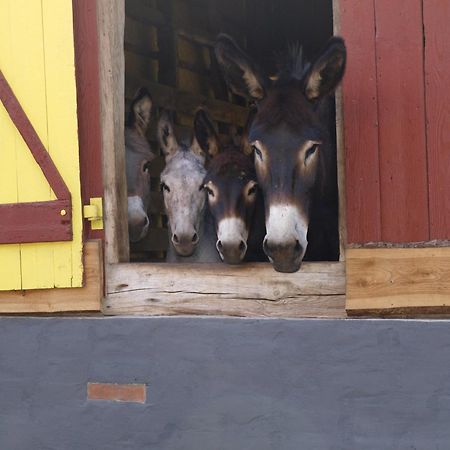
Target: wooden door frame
x,y
317,290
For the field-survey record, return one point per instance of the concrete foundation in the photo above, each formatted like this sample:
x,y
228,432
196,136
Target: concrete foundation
x,y
225,384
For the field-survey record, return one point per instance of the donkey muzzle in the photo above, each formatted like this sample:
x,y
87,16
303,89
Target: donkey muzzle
x,y
231,252
185,244
285,256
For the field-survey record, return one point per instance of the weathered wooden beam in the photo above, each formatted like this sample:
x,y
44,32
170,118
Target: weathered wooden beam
x,y
249,289
111,20
398,281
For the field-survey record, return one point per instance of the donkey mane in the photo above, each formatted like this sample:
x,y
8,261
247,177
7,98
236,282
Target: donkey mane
x,y
231,163
291,64
285,105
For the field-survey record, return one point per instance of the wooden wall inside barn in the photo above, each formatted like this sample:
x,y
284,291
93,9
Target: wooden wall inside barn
x,y
396,120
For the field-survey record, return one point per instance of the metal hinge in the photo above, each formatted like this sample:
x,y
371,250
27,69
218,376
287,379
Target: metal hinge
x,y
94,213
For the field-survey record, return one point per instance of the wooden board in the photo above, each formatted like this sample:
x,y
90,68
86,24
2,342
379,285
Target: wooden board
x,y
88,104
436,17
317,290
340,148
398,281
110,24
359,94
401,111
87,298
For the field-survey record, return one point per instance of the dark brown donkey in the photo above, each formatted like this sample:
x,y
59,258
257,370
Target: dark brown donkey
x,y
293,152
138,156
233,198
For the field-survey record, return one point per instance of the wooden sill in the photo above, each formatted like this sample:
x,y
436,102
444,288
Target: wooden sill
x,y
248,290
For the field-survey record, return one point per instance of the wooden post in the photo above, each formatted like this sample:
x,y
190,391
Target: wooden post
x,y
111,24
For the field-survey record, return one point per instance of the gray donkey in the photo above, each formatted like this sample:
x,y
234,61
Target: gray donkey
x,y
138,156
191,228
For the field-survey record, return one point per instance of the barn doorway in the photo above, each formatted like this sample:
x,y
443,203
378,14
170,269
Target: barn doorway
x,y
168,48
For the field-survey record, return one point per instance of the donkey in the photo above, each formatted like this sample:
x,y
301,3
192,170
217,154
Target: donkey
x,y
293,152
138,156
191,228
233,198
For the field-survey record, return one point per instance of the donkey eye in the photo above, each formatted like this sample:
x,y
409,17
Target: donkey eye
x,y
257,151
310,152
252,190
209,191
164,187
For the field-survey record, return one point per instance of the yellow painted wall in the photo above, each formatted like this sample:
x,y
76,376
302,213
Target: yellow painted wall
x,y
37,59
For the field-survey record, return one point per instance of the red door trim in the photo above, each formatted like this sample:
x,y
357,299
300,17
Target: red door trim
x,y
48,221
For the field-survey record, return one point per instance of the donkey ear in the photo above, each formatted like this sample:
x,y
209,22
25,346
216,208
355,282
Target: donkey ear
x,y
166,135
206,141
140,111
240,72
326,71
246,147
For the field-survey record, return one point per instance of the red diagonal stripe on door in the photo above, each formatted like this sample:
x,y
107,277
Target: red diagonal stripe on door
x,y
47,221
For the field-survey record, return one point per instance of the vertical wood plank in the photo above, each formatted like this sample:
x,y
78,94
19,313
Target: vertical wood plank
x,y
401,106
62,129
9,254
88,103
359,94
436,18
28,81
111,24
340,148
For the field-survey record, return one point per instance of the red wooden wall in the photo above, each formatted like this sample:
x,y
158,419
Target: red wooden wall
x,y
396,95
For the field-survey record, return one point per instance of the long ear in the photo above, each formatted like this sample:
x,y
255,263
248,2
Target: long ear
x,y
326,71
140,111
240,72
166,135
246,148
206,141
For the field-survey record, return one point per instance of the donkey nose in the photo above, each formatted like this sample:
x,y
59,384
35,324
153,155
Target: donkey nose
x,y
285,256
231,252
185,240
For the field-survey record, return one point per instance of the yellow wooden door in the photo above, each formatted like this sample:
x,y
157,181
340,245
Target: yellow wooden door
x,y
37,59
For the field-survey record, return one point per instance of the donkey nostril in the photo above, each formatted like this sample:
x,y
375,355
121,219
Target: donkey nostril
x,y
175,239
298,247
219,245
195,238
242,246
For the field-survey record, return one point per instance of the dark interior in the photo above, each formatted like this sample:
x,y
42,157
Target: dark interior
x,y
169,49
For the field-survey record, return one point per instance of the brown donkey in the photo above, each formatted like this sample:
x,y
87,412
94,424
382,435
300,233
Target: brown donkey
x,y
233,198
293,151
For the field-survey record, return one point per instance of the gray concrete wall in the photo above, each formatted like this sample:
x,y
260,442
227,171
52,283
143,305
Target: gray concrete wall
x,y
225,384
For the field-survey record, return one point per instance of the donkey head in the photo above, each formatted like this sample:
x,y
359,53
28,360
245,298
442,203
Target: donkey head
x,y
288,137
138,156
231,188
182,187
